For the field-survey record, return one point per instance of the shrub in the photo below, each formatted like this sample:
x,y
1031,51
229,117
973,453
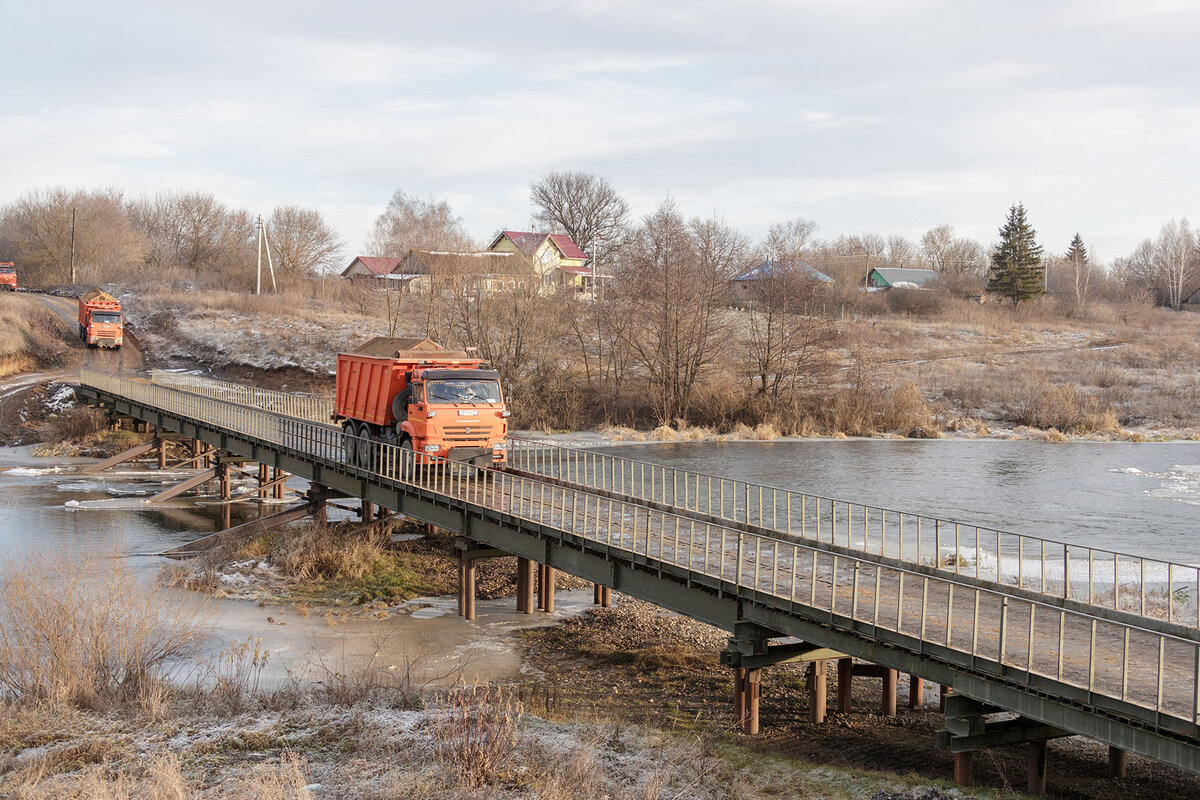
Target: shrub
x,y
478,732
80,630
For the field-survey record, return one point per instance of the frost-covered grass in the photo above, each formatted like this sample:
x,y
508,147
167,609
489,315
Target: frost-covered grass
x,y
464,743
28,337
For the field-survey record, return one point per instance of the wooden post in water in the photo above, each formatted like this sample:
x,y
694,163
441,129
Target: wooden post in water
x,y
162,453
817,691
845,678
466,587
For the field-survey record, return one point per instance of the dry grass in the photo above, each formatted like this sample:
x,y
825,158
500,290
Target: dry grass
x,y
85,631
29,338
478,733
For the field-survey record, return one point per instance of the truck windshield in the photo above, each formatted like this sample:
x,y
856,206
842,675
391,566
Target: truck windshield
x,y
463,392
106,318
7,270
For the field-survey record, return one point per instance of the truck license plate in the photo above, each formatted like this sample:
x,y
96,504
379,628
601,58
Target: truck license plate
x,y
471,412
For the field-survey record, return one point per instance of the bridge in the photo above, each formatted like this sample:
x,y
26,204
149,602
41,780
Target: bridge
x,y
1030,638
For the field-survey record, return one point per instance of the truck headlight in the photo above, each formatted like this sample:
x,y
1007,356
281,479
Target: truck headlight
x,y
431,448
500,446
505,413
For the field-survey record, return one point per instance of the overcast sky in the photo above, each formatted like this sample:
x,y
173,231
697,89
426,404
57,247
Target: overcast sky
x,y
881,117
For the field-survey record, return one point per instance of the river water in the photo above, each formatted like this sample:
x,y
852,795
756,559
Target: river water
x,y
1137,498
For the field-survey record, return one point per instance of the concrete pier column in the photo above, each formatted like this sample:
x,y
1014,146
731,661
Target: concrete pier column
x,y
845,684
1037,768
368,511
942,692
597,592
277,489
522,594
888,706
262,481
963,774
1118,760
162,453
753,694
817,691
606,597
916,692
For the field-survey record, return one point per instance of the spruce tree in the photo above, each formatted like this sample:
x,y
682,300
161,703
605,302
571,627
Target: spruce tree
x,y
1017,271
1077,252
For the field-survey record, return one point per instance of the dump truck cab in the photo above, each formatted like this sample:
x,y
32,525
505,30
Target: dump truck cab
x,y
8,277
417,395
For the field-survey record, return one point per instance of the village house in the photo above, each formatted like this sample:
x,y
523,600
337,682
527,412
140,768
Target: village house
x,y
749,286
477,272
557,261
370,267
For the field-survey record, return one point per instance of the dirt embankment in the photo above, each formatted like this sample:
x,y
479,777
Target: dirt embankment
x,y
638,663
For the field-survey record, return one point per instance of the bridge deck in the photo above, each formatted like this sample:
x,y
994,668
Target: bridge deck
x,y
1093,669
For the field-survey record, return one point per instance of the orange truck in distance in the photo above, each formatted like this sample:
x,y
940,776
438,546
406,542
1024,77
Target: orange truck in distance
x,y
8,276
101,323
417,395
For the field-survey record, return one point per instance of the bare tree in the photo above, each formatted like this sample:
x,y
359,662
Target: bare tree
x,y
304,242
1080,267
1167,264
585,207
901,252
410,222
675,283
38,228
948,254
786,241
786,339
198,235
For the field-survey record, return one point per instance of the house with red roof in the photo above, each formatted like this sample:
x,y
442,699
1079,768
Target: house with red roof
x,y
557,260
370,267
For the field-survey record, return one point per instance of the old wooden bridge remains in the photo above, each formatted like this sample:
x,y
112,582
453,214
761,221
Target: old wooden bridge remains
x,y
1030,638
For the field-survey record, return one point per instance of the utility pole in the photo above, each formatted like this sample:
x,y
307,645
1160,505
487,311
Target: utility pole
x,y
263,243
72,245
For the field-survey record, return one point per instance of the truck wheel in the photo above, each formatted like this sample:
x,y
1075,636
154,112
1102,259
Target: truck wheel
x,y
349,444
366,447
408,463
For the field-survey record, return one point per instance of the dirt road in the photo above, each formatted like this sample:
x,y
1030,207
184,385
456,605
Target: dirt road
x,y
66,312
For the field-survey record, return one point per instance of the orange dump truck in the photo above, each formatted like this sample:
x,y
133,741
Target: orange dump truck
x,y
420,396
100,321
8,276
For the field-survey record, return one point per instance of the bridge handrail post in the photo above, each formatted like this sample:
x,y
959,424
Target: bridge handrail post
x,y
1067,572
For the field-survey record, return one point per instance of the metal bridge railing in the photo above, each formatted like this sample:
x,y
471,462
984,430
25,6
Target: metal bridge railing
x,y
314,409
1146,587
1124,668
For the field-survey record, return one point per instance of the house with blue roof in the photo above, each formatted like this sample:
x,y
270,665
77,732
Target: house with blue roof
x,y
748,286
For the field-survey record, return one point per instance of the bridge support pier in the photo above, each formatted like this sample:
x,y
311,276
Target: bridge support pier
x,y
545,577
817,691
525,585
845,684
963,773
368,511
1036,780
277,476
602,595
162,452
262,481
466,587
1118,760
916,692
